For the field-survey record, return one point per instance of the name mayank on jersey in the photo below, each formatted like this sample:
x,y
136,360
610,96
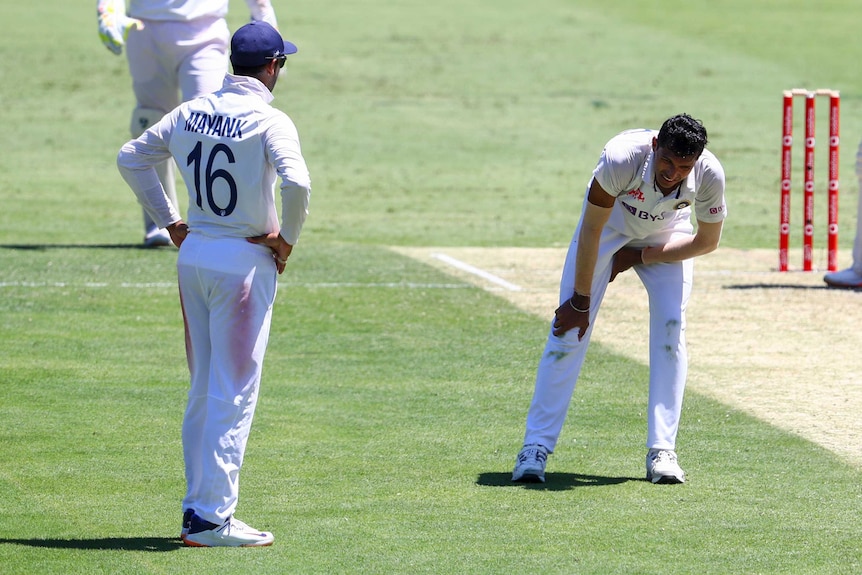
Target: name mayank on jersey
x,y
214,125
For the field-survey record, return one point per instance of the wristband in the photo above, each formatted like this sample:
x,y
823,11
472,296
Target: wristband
x,y
574,307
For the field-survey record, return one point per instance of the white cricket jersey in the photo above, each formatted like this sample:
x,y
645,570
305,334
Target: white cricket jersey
x,y
186,10
626,170
229,146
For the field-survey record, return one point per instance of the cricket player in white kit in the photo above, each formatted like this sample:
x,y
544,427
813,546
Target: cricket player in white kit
x,y
176,49
230,146
852,277
637,213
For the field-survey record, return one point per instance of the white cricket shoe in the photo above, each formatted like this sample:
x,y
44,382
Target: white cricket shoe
x,y
232,533
662,467
530,464
156,238
848,278
187,523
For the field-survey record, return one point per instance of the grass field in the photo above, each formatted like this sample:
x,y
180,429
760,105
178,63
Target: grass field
x,y
394,394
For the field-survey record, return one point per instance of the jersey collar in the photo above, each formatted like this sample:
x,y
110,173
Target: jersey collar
x,y
233,83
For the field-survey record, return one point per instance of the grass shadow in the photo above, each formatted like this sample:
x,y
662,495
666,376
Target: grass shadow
x,y
46,247
778,286
554,481
156,544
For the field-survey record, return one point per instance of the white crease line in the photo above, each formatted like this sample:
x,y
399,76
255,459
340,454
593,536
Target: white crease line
x,y
476,271
411,285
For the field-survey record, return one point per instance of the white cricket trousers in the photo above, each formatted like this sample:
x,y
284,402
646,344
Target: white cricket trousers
x,y
173,59
227,288
169,60
857,243
668,286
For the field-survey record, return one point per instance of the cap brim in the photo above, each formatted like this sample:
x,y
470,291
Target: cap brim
x,y
289,47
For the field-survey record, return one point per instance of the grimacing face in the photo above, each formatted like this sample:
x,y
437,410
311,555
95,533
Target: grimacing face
x,y
671,169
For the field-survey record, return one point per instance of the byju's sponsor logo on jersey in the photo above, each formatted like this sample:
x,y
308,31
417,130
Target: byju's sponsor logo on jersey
x,y
642,214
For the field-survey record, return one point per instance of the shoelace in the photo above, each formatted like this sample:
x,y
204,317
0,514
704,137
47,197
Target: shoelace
x,y
534,454
233,525
665,456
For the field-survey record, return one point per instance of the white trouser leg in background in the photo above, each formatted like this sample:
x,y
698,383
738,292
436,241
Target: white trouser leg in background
x,y
857,244
169,60
227,288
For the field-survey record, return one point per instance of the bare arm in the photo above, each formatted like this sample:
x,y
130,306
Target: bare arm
x,y
596,214
575,313
703,242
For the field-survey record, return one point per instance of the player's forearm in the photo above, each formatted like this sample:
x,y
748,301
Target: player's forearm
x,y
593,222
295,189
681,249
157,205
144,182
588,251
294,210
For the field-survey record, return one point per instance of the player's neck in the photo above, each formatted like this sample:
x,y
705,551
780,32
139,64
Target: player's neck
x,y
664,191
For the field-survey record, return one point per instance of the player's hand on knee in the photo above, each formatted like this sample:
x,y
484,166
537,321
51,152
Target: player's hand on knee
x,y
114,25
573,314
625,259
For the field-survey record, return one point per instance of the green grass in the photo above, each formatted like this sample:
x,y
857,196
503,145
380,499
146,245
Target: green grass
x,y
394,396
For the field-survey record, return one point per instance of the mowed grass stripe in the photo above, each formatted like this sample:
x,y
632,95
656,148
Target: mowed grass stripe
x,y
384,442
389,418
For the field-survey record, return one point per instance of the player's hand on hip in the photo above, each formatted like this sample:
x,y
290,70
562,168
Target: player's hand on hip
x,y
114,25
280,248
625,259
573,314
178,232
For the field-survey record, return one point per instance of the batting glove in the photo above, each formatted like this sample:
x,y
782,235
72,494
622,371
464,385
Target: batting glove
x,y
114,25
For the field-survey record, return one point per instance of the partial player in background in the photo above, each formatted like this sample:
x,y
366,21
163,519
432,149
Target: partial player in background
x,y
852,276
176,49
636,214
230,147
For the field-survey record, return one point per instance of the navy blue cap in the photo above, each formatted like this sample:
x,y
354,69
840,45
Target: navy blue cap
x,y
256,43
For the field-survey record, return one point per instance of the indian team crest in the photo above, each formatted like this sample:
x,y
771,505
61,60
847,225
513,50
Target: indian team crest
x,y
682,204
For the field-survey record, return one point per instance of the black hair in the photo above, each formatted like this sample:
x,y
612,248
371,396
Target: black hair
x,y
683,136
252,71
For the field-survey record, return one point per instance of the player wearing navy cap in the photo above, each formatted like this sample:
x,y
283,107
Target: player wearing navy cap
x,y
230,146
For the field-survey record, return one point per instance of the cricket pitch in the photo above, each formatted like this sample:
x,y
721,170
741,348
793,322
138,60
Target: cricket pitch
x,y
780,346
